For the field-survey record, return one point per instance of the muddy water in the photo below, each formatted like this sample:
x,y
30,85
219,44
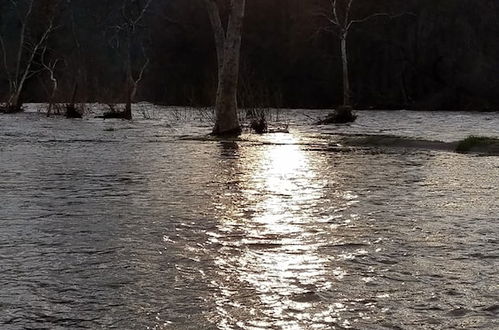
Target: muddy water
x,y
109,224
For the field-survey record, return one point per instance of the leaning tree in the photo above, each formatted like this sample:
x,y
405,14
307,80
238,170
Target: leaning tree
x,y
228,47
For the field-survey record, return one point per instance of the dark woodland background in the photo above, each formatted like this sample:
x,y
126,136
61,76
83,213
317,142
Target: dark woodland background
x,y
440,54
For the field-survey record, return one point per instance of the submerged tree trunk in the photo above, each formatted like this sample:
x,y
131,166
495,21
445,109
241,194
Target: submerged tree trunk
x,y
343,113
14,103
128,109
226,120
55,85
71,111
75,92
133,86
132,91
130,81
52,96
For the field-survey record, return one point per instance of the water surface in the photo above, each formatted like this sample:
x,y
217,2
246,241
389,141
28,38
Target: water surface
x,y
111,224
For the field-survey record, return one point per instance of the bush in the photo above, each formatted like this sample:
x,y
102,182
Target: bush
x,y
342,115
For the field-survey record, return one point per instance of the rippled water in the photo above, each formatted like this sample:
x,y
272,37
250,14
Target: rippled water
x,y
110,224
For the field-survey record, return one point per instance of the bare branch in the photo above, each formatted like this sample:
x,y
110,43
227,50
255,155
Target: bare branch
x,y
142,13
24,23
347,12
142,70
5,64
33,73
27,71
335,12
367,18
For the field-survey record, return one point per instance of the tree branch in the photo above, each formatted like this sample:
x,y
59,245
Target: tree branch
x,y
367,18
24,22
142,13
335,12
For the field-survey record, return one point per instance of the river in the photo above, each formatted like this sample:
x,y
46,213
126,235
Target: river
x,y
108,224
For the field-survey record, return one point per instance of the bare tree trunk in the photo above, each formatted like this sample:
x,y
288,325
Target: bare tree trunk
x,y
227,122
15,104
131,92
75,92
218,31
21,40
133,86
344,61
52,94
71,111
128,107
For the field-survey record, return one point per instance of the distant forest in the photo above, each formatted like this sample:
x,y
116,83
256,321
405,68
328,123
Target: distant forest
x,y
416,54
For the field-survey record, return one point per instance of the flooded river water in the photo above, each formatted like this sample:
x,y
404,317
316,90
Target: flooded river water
x,y
138,225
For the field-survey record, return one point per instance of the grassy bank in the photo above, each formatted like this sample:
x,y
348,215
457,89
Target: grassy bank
x,y
478,144
473,144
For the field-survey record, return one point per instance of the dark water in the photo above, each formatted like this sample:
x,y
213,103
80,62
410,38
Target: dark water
x,y
109,224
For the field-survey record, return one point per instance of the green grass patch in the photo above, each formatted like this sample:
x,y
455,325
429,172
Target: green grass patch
x,y
473,142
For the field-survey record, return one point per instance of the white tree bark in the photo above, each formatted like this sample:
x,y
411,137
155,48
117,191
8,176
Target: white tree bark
x,y
22,36
218,31
344,61
55,85
27,69
341,19
226,119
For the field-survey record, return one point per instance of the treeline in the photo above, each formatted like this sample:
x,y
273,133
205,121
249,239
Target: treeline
x,y
420,54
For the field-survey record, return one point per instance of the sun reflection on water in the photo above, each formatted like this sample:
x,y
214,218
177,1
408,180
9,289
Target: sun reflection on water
x,y
279,258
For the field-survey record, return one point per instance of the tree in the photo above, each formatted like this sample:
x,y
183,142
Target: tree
x,y
228,47
129,39
19,60
340,18
133,13
50,67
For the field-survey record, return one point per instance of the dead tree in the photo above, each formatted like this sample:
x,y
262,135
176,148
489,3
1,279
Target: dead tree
x,y
50,67
127,38
339,16
228,46
27,49
133,82
77,66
